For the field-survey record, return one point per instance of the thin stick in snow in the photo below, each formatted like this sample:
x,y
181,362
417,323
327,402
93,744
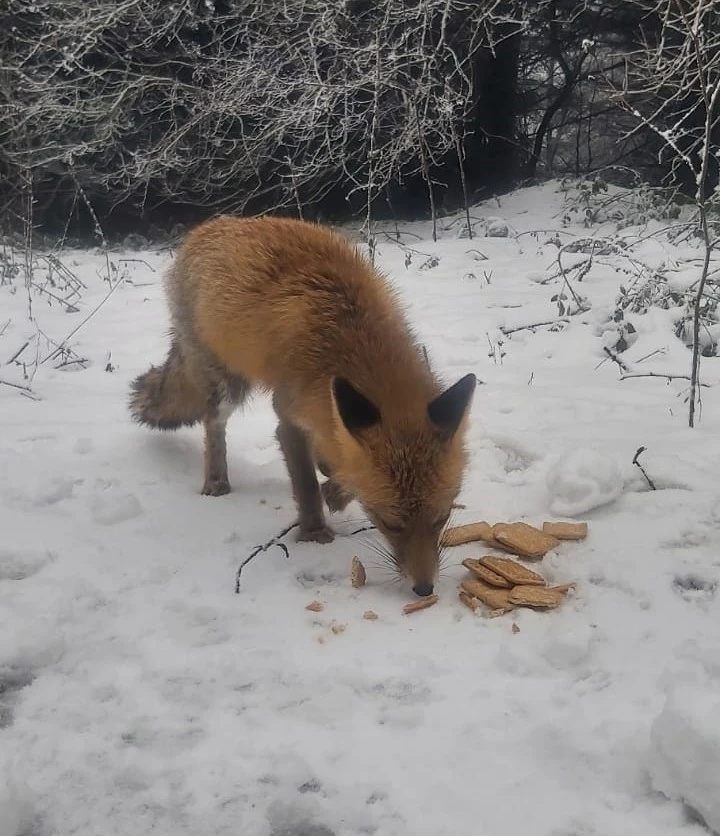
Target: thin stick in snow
x,y
274,541
611,354
667,377
636,462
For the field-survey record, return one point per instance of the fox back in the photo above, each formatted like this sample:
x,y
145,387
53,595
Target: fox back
x,y
294,309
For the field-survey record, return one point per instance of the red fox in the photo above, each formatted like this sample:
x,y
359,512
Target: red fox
x,y
293,308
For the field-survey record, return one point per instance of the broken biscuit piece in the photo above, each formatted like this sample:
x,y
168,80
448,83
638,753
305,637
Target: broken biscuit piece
x,y
566,530
513,572
563,587
358,576
524,540
469,601
422,604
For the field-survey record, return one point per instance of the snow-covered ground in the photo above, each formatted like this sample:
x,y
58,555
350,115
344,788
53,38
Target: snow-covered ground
x,y
139,694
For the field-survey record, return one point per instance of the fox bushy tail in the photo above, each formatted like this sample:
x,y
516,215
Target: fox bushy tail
x,y
164,397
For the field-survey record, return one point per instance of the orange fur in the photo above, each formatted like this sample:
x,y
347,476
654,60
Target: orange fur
x,y
287,307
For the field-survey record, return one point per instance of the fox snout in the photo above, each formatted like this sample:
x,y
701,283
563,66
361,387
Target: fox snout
x,y
419,562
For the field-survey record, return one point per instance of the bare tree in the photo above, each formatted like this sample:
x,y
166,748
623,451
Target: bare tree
x,y
672,88
235,104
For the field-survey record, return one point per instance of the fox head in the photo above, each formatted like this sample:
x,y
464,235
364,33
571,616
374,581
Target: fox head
x,y
405,473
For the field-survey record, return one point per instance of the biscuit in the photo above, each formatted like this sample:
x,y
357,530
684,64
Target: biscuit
x,y
485,573
514,573
535,596
497,599
469,533
566,530
524,540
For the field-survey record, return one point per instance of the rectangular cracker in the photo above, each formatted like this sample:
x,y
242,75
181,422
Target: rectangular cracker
x,y
497,599
566,530
485,573
469,533
535,596
524,540
513,572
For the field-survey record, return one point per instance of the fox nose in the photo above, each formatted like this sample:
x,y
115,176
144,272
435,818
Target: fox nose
x,y
423,589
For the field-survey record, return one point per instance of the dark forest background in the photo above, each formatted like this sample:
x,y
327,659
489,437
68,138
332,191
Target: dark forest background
x,y
135,115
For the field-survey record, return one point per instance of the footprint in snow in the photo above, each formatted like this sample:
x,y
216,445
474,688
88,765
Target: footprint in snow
x,y
18,564
308,578
12,681
113,508
693,587
83,445
313,785
295,820
52,491
517,458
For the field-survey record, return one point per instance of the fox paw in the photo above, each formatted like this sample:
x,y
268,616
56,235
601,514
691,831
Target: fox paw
x,y
216,487
324,534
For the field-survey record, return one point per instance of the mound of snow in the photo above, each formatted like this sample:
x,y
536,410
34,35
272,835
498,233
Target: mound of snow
x,y
582,480
685,747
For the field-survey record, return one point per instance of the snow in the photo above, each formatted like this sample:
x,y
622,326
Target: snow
x,y
685,742
582,479
139,693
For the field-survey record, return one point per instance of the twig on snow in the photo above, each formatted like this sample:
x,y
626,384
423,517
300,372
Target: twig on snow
x,y
636,462
18,352
25,390
652,354
508,331
74,331
667,377
611,354
275,541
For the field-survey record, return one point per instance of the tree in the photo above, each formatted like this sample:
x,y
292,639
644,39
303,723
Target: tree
x,y
672,88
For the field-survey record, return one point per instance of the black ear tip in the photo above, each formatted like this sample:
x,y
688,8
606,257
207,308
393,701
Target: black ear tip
x,y
468,383
447,410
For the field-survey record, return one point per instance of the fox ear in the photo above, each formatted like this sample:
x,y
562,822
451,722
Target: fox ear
x,y
356,411
448,410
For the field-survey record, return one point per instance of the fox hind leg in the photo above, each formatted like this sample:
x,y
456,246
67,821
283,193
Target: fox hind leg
x,y
222,401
